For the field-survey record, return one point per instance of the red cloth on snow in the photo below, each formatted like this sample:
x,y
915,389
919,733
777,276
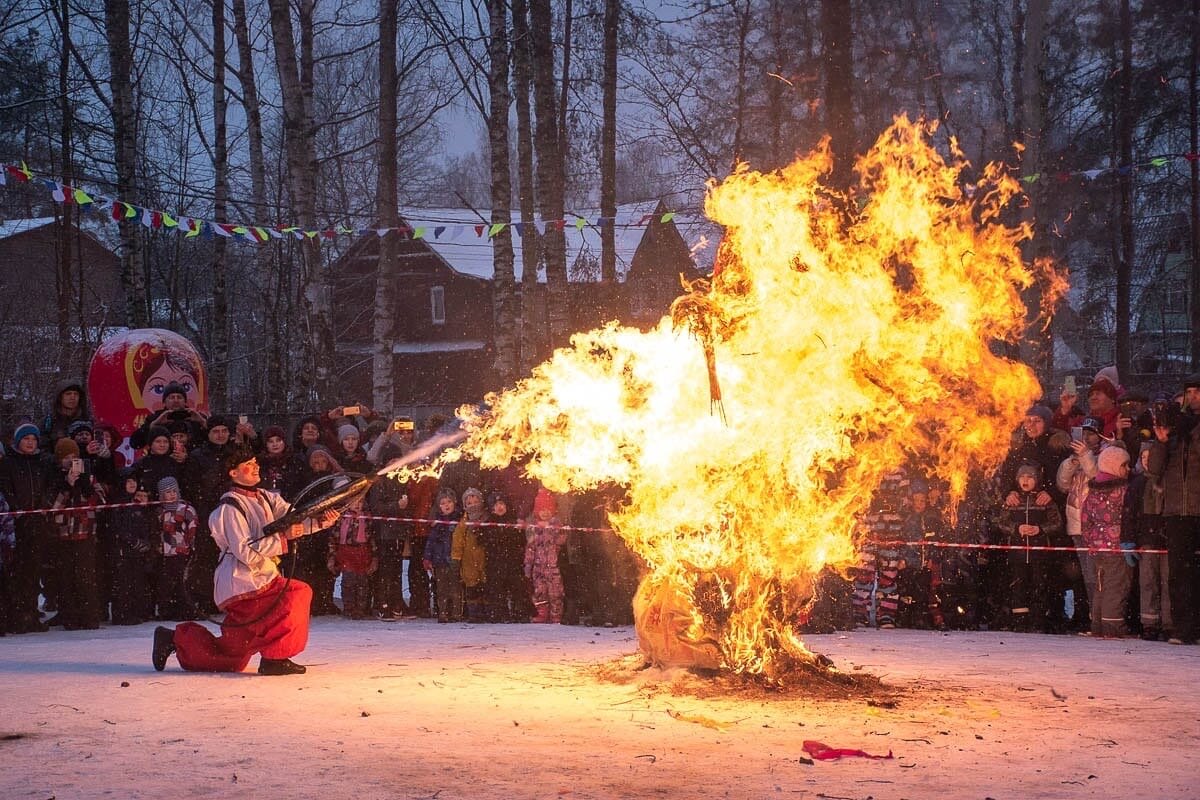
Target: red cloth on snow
x,y
823,752
281,633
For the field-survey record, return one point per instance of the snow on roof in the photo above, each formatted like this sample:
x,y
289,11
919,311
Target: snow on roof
x,y
470,254
12,227
93,225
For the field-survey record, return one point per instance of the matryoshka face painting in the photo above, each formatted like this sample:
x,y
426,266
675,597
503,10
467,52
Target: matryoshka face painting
x,y
157,382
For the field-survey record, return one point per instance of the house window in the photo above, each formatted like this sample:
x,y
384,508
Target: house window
x,y
437,302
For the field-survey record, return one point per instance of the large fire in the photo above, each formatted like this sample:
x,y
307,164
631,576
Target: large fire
x,y
845,337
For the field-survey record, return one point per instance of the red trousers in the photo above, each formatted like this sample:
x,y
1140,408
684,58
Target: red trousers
x,y
281,633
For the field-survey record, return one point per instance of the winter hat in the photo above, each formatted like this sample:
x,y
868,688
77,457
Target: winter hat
x,y
918,487
1112,459
25,429
446,493
1043,413
274,430
177,426
1109,374
236,456
1092,424
166,484
320,448
1192,381
174,388
157,431
544,502
347,430
220,421
1104,386
497,497
65,448
1032,470
79,425
471,492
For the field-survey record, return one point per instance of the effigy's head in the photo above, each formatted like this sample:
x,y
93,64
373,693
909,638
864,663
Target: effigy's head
x,y
839,338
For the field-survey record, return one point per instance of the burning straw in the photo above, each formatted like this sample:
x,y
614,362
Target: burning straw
x,y
752,427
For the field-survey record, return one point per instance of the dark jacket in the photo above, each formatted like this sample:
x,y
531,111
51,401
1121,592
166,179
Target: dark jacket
x,y
56,423
441,538
1028,512
204,478
1176,463
283,473
27,481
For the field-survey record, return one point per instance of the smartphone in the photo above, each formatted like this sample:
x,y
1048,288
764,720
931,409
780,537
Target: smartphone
x,y
402,425
350,411
1069,385
1077,434
243,419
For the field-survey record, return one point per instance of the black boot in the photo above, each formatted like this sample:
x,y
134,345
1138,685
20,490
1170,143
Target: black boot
x,y
164,645
280,666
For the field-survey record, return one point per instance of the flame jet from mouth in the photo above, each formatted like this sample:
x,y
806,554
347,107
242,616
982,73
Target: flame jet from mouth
x,y
844,344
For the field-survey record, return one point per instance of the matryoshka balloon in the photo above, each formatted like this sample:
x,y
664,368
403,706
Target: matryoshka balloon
x,y
130,370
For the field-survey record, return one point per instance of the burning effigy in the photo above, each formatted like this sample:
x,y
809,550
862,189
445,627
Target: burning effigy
x,y
840,337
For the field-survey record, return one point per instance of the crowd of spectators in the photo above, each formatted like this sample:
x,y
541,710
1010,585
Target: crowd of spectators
x,y
1091,526
126,543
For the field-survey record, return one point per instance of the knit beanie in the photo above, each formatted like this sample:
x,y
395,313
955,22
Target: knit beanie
x,y
471,492
274,430
320,448
157,431
1040,411
79,425
1032,470
347,430
1113,459
220,421
544,502
65,448
1104,386
166,484
25,429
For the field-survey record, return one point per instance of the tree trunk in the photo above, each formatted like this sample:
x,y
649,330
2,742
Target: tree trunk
x,y
64,280
504,298
218,368
549,173
564,86
1194,123
1125,124
120,57
743,14
275,389
382,396
295,83
837,35
533,335
608,150
1030,110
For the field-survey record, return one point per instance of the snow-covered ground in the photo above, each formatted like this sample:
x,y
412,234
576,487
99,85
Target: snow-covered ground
x,y
420,710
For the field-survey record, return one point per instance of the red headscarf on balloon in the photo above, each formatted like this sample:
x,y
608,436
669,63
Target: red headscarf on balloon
x,y
129,371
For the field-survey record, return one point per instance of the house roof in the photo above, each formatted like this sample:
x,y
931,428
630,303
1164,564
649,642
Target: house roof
x,y
470,254
104,234
12,227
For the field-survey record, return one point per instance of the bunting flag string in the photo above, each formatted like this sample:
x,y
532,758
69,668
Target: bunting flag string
x,y
192,227
259,233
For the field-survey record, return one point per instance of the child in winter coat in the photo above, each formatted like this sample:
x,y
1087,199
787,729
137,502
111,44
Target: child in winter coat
x,y
1155,595
543,538
1029,524
468,554
77,494
504,558
1106,530
352,554
177,524
447,584
919,575
133,556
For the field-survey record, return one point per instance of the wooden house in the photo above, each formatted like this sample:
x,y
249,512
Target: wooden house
x,y
443,336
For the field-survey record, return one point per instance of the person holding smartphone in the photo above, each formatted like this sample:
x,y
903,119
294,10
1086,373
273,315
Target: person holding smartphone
x,y
76,496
